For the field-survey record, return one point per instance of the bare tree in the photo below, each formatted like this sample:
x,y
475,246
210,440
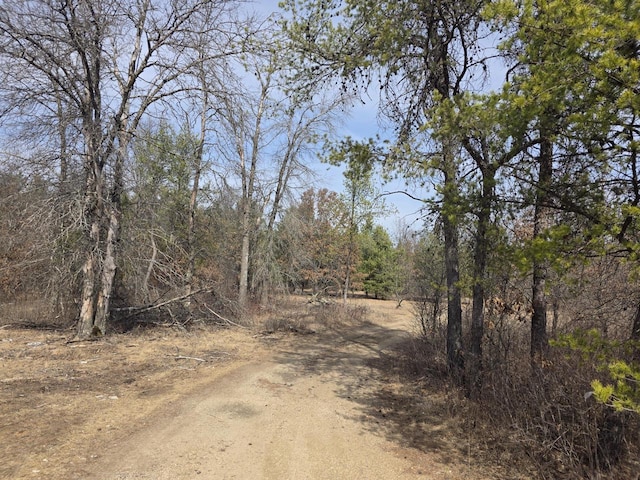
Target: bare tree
x,y
265,134
243,119
210,50
108,63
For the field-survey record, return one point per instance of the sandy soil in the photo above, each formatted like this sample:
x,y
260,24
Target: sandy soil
x,y
213,403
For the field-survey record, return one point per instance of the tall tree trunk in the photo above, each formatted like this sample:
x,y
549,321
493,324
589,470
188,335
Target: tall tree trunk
x,y
243,291
103,212
285,170
350,246
635,336
93,215
635,329
63,178
474,365
284,173
193,198
539,340
248,186
107,273
62,289
455,355
347,278
113,210
88,300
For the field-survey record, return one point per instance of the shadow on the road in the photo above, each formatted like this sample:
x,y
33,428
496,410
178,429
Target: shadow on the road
x,y
373,367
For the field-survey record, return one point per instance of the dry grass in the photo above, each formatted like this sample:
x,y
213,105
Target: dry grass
x,y
61,403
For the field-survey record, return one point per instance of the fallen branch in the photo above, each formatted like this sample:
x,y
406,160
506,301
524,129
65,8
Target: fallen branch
x,y
217,315
184,357
133,311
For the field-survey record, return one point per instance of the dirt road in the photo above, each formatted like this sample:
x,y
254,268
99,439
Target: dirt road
x,y
310,410
222,404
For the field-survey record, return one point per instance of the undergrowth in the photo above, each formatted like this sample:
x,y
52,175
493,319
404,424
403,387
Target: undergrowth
x,y
545,416
291,315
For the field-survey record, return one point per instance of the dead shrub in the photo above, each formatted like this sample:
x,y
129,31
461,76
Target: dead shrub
x,y
332,314
287,323
33,312
560,428
284,314
535,416
428,316
423,359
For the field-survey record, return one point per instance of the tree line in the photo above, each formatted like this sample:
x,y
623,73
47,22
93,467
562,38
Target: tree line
x,y
153,149
523,115
554,147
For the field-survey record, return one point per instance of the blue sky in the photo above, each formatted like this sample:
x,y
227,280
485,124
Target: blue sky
x,y
361,123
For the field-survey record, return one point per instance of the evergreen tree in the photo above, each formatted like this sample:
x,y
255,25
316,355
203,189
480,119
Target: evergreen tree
x,y
378,262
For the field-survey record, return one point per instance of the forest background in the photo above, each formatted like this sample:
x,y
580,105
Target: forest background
x,y
158,158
